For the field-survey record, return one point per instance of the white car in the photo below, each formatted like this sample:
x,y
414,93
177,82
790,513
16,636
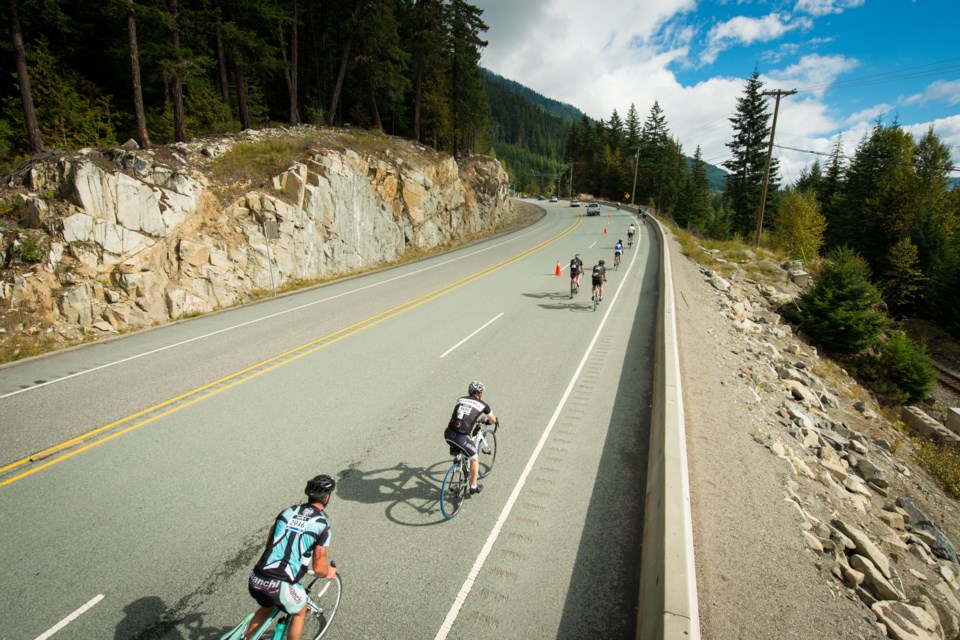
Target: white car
x,y
574,203
553,199
593,209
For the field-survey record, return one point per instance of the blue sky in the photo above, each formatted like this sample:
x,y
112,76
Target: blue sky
x,y
853,60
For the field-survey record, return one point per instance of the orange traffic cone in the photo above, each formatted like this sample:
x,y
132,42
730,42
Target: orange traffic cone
x,y
557,272
604,231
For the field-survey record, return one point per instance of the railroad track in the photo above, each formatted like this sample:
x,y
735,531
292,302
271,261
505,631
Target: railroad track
x,y
948,378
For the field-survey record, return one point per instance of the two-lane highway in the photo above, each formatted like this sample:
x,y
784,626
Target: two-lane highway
x,y
184,442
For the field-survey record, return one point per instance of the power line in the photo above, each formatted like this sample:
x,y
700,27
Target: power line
x,y
906,73
823,153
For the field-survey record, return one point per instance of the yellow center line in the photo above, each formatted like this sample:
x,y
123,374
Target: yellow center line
x,y
263,366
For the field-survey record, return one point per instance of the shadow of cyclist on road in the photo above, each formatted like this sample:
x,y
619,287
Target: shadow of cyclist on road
x,y
149,618
412,493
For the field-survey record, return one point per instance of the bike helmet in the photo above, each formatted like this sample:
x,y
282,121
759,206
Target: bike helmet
x,y
320,488
476,387
602,263
577,256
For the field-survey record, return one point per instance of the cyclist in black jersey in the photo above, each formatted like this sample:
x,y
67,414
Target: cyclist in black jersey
x,y
599,276
300,534
576,269
464,424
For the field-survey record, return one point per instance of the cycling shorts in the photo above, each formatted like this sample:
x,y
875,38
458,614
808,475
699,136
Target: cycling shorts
x,y
461,441
618,253
574,273
629,234
271,592
598,282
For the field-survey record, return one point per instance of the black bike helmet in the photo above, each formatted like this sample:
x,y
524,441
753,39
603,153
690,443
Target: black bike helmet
x,y
319,488
476,388
602,263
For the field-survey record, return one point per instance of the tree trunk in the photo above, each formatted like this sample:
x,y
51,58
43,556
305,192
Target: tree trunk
x,y
371,97
241,92
135,75
294,112
179,119
26,95
331,116
222,68
418,97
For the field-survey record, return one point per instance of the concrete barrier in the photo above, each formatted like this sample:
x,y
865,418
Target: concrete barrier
x,y
668,607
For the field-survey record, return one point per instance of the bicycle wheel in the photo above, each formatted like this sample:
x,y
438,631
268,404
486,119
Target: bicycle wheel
x,y
322,608
452,490
487,453
596,297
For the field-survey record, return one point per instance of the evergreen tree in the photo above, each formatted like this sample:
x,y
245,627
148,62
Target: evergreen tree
x,y
654,137
810,179
698,200
842,309
468,101
751,133
878,197
902,280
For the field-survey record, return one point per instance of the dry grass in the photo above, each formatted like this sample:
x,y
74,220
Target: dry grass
x,y
942,462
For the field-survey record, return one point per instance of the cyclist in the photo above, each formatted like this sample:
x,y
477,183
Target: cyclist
x,y
464,425
644,217
617,252
300,533
630,231
599,276
576,270
618,206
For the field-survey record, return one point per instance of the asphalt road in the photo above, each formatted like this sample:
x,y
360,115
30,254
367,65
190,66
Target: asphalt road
x,y
183,443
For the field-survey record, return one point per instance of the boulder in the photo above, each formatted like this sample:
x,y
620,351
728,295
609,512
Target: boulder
x,y
864,545
940,545
906,622
873,580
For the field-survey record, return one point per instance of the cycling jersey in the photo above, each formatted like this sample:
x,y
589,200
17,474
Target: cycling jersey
x,y
466,413
576,266
631,230
618,249
297,531
598,273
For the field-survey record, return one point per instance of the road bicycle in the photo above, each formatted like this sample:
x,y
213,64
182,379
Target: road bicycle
x,y
616,262
456,484
596,297
574,287
629,242
321,608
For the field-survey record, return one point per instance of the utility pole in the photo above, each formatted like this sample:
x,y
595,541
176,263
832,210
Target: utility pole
x,y
633,189
766,174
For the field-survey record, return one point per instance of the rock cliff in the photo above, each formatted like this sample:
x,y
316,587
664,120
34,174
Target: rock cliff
x,y
123,238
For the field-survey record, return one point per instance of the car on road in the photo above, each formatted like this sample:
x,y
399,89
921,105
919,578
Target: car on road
x,y
553,198
541,198
593,209
574,203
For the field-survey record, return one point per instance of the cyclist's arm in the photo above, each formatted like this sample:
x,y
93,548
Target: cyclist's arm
x,y
320,565
492,418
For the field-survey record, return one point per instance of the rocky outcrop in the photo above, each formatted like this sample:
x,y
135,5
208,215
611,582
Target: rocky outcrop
x,y
132,240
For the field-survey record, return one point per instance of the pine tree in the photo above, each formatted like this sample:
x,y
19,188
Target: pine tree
x,y
653,155
468,101
902,280
751,133
842,309
698,199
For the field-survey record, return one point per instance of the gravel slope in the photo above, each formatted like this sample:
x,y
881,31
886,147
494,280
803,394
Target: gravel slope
x,y
756,577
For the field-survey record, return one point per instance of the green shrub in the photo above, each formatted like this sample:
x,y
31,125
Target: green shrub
x,y
906,366
943,463
30,250
842,309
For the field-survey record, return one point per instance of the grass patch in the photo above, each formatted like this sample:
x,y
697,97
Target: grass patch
x,y
255,163
942,462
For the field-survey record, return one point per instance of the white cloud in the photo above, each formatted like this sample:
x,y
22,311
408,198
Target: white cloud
x,y
825,7
744,30
947,129
939,90
814,72
865,118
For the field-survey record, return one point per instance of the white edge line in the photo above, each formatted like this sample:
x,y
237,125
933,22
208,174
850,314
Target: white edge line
x,y
70,618
249,322
489,322
593,245
461,597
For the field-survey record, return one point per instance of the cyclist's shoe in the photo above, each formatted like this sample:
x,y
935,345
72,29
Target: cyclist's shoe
x,y
476,489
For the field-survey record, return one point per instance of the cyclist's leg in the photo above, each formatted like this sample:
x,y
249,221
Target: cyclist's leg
x,y
258,619
295,627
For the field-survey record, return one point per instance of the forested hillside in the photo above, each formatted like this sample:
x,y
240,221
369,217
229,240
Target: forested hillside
x,y
90,72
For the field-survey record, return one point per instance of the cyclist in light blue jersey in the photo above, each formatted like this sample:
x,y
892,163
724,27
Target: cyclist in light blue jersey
x,y
300,536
